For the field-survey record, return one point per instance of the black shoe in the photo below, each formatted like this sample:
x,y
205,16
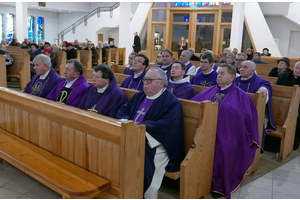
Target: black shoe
x,y
216,195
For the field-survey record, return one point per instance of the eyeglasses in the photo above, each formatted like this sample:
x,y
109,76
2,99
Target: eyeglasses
x,y
149,80
138,61
238,60
203,62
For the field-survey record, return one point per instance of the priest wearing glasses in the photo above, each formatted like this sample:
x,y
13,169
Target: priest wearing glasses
x,y
162,114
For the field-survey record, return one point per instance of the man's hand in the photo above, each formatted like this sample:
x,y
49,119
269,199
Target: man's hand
x,y
264,92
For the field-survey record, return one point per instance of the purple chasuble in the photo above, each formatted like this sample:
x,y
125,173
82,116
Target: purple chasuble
x,y
143,109
188,66
215,67
128,70
237,136
134,83
106,103
42,87
167,70
181,89
206,80
78,89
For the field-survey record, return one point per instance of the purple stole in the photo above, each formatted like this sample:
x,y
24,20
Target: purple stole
x,y
38,86
206,80
167,70
134,83
215,67
128,70
143,109
188,66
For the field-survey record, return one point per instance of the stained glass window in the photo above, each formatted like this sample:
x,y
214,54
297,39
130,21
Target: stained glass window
x,y
10,28
1,27
30,26
40,28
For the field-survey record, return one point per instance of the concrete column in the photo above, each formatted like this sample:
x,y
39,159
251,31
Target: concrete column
x,y
125,36
21,21
237,25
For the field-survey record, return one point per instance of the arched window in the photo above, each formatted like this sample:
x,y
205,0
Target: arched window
x,y
40,28
10,27
30,26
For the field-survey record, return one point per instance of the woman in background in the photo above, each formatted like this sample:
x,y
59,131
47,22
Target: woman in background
x,y
182,45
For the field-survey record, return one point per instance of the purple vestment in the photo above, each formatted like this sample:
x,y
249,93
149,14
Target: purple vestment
x,y
42,87
78,89
206,80
143,109
188,66
237,136
106,103
134,83
167,70
215,67
128,70
182,88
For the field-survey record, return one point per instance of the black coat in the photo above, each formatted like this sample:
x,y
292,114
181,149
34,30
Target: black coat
x,y
94,54
137,44
71,54
274,72
33,55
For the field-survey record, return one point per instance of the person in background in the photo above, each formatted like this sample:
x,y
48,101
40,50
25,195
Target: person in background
x,y
256,58
158,59
8,59
182,45
283,65
128,69
112,45
193,57
265,52
33,52
14,42
41,46
47,49
136,43
249,53
71,52
223,60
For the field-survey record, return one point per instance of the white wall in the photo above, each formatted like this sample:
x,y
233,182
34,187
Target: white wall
x,y
293,13
67,19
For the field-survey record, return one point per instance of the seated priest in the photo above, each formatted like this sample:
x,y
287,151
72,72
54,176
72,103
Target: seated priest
x,y
179,83
185,56
45,79
162,114
128,69
251,83
208,76
214,66
103,96
71,89
237,132
135,80
167,62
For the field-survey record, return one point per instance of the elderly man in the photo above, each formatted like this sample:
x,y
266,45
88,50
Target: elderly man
x,y
291,78
103,96
179,83
135,80
128,69
77,45
8,59
185,58
167,62
193,57
71,89
45,79
239,58
162,114
251,83
237,132
208,76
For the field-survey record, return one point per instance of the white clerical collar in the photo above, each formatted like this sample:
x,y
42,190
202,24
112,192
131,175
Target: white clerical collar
x,y
157,94
183,80
129,66
165,66
246,78
137,75
225,87
208,72
101,90
44,75
69,84
188,62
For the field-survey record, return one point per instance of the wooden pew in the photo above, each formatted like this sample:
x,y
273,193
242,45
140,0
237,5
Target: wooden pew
x,y
88,74
16,50
285,104
60,62
118,68
99,60
200,122
259,102
122,56
20,69
270,78
86,58
195,63
273,60
114,56
74,152
3,79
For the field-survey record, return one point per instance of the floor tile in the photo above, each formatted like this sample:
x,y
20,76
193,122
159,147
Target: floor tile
x,y
262,182
8,174
280,195
248,192
287,187
268,175
43,192
22,184
294,167
295,160
7,194
289,176
24,197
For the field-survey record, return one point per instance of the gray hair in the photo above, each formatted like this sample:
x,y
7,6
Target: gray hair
x,y
242,54
253,65
44,59
208,52
2,46
188,54
161,75
191,49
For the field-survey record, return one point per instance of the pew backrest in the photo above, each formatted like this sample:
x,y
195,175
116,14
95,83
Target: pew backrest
x,y
60,62
3,79
86,58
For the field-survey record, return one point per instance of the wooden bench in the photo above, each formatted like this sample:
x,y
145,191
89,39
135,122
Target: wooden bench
x,y
20,68
16,50
259,103
273,60
3,79
86,58
60,62
285,104
270,78
99,60
122,56
200,124
74,152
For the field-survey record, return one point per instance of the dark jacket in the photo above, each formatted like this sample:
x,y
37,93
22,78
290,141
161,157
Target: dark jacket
x,y
274,72
287,79
195,58
33,55
268,54
137,44
94,54
71,54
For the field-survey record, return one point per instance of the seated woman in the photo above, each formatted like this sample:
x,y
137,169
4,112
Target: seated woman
x,y
47,49
71,52
283,65
33,52
230,59
265,52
